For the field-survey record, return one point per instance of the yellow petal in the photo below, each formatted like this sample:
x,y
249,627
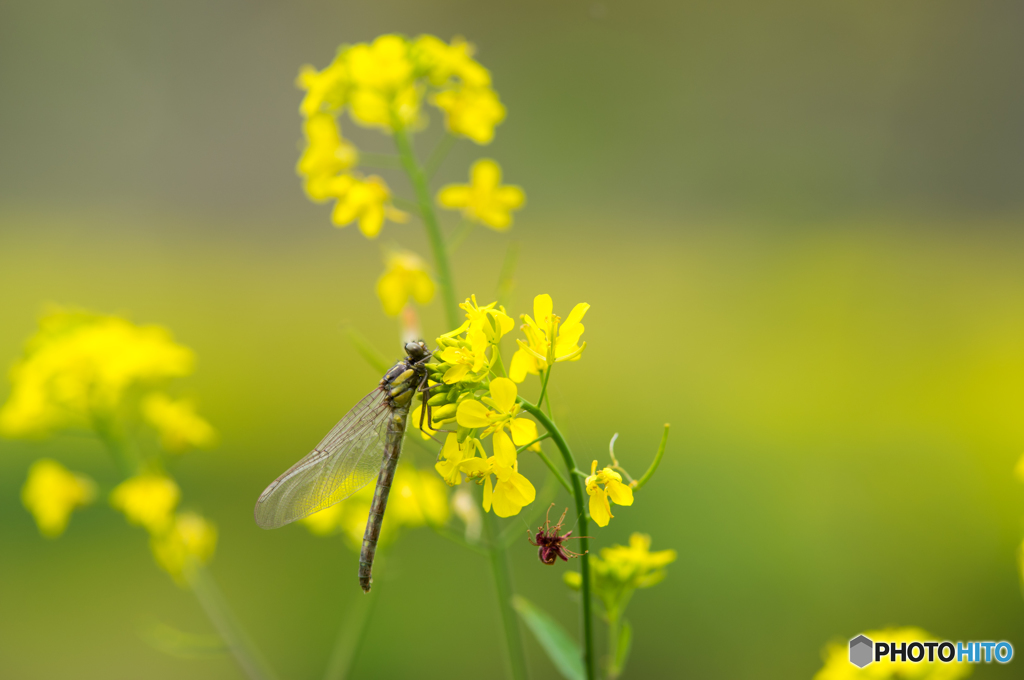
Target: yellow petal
x,y
523,431
619,493
542,307
504,393
522,363
600,511
372,220
487,494
454,196
485,174
525,488
472,413
455,374
504,449
392,292
510,197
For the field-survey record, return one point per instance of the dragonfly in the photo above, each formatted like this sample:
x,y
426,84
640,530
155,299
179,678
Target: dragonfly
x,y
366,443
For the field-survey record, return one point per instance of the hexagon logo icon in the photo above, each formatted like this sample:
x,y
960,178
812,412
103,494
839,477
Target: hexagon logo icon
x,y
860,651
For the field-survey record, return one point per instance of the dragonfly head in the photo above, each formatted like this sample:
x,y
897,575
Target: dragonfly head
x,y
417,350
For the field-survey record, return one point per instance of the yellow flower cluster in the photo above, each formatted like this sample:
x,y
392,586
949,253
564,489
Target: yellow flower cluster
x,y
177,423
838,666
620,569
603,486
382,85
178,541
78,366
548,340
51,492
417,498
405,276
484,199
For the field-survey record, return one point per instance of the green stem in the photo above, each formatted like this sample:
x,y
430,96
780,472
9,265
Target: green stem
x,y
503,583
426,206
438,155
586,606
544,390
459,236
657,459
216,608
613,644
352,634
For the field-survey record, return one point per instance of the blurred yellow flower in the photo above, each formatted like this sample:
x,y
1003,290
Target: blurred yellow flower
x,y
366,200
147,500
483,200
441,62
613,489
177,423
471,112
547,343
417,498
838,666
51,492
373,108
405,275
326,155
497,412
635,565
325,89
382,65
189,540
78,366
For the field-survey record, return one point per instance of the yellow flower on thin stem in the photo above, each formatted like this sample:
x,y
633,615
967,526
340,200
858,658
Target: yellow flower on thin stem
x,y
497,412
484,199
605,485
179,425
382,65
490,319
467,359
367,201
511,491
51,492
326,155
189,540
406,275
147,500
457,458
325,89
548,341
471,112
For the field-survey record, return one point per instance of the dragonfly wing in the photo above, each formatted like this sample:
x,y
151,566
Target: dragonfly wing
x,y
347,459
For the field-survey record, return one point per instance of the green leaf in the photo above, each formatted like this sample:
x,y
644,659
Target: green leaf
x,y
622,649
562,649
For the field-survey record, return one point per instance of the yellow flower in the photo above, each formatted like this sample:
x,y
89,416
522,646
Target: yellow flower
x,y
547,343
324,89
78,366
366,200
381,65
457,458
635,565
494,323
497,412
838,666
373,108
147,500
51,492
512,491
467,360
177,422
614,489
326,155
405,276
189,540
471,112
483,199
441,62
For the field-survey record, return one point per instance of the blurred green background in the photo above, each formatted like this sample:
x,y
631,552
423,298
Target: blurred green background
x,y
799,227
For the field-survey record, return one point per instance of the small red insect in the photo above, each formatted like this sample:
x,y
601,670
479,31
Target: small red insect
x,y
549,542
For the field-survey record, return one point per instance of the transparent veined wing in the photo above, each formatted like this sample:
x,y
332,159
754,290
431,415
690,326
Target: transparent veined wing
x,y
347,459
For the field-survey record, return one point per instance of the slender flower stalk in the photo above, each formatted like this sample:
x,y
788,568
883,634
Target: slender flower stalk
x,y
575,475
498,555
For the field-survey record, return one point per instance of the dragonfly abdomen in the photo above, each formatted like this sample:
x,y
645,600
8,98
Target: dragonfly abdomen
x,y
374,523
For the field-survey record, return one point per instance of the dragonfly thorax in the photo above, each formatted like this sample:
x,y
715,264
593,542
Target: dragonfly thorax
x,y
406,376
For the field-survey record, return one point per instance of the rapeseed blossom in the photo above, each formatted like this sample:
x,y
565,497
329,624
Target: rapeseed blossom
x,y
484,199
548,341
326,156
838,666
621,569
51,492
441,62
177,423
605,485
363,200
189,540
471,112
497,412
147,500
77,368
405,276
